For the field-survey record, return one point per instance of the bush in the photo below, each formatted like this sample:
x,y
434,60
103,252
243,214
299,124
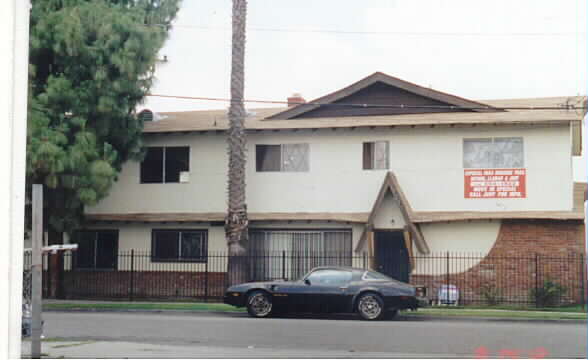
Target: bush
x,y
549,294
491,294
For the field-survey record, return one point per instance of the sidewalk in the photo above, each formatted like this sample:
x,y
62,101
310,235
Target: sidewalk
x,y
122,350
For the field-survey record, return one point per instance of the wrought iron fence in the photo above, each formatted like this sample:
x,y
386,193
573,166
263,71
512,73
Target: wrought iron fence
x,y
450,278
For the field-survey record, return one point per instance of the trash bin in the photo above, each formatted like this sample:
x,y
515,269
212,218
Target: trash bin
x,y
26,321
448,295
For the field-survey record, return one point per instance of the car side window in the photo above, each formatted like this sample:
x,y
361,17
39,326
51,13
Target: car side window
x,y
330,277
371,275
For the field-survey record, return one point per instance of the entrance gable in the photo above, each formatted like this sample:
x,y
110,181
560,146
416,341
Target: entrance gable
x,y
388,215
392,187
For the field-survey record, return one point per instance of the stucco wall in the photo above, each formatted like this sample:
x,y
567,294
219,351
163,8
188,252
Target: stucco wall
x,y
137,237
466,239
427,162
388,215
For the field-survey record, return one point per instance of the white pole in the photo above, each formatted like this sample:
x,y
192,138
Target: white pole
x,y
585,257
36,269
14,45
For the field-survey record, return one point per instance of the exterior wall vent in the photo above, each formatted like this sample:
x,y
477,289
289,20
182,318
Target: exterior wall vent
x,y
146,115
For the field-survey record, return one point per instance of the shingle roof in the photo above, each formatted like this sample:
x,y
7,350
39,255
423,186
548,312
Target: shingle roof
x,y
216,120
391,81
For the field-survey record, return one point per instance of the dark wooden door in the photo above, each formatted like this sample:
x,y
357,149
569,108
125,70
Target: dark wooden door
x,y
391,254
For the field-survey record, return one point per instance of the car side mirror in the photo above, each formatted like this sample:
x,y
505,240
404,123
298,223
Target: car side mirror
x,y
307,282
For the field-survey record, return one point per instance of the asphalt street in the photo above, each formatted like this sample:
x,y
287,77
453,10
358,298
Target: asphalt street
x,y
205,335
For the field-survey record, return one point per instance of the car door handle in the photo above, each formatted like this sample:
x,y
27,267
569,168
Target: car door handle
x,y
343,288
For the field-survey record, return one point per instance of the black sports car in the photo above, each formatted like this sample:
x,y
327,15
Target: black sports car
x,y
329,289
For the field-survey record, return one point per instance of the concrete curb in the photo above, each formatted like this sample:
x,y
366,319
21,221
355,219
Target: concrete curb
x,y
157,311
493,319
402,317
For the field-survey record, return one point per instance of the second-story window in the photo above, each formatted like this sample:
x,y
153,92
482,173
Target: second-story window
x,y
375,155
503,152
165,164
284,157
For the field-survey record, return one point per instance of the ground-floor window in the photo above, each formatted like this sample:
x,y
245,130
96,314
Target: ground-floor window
x,y
186,245
97,249
292,253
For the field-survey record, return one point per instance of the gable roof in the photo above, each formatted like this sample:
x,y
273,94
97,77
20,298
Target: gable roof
x,y
391,185
257,120
378,77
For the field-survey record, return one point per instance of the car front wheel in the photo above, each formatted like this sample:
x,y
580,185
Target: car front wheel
x,y
370,306
259,304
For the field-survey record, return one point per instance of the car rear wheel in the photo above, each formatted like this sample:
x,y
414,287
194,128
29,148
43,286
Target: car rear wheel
x,y
259,304
370,306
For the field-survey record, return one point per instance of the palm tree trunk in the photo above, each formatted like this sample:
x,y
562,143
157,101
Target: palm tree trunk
x,y
236,223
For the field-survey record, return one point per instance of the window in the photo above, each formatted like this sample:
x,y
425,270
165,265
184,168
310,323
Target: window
x,y
303,250
504,152
285,157
164,164
179,245
375,155
97,249
330,277
375,276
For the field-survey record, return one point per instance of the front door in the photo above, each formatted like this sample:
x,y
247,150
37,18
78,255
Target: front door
x,y
391,254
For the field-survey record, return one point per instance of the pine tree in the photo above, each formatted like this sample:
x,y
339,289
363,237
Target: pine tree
x,y
90,64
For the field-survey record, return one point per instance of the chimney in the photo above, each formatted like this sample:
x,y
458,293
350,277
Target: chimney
x,y
295,99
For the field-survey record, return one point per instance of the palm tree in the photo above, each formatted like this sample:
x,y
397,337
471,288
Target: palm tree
x,y
236,223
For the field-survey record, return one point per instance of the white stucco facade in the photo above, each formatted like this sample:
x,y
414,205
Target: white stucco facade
x,y
467,242
428,163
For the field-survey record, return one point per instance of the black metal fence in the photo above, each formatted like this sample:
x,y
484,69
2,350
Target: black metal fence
x,y
27,275
450,278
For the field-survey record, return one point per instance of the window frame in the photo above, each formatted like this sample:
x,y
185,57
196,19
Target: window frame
x,y
372,146
346,272
282,159
164,165
202,260
95,242
492,140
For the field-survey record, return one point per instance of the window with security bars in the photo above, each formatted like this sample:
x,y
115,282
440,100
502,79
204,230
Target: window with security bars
x,y
290,254
375,155
179,245
284,158
503,152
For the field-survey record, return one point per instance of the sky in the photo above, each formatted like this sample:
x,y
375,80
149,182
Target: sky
x,y
477,49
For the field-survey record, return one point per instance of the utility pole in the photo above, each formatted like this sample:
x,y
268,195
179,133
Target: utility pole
x,y
36,269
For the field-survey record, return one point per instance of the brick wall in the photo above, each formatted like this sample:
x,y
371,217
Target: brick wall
x,y
526,253
145,284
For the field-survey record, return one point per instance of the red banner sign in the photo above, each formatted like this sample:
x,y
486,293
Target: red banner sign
x,y
494,183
